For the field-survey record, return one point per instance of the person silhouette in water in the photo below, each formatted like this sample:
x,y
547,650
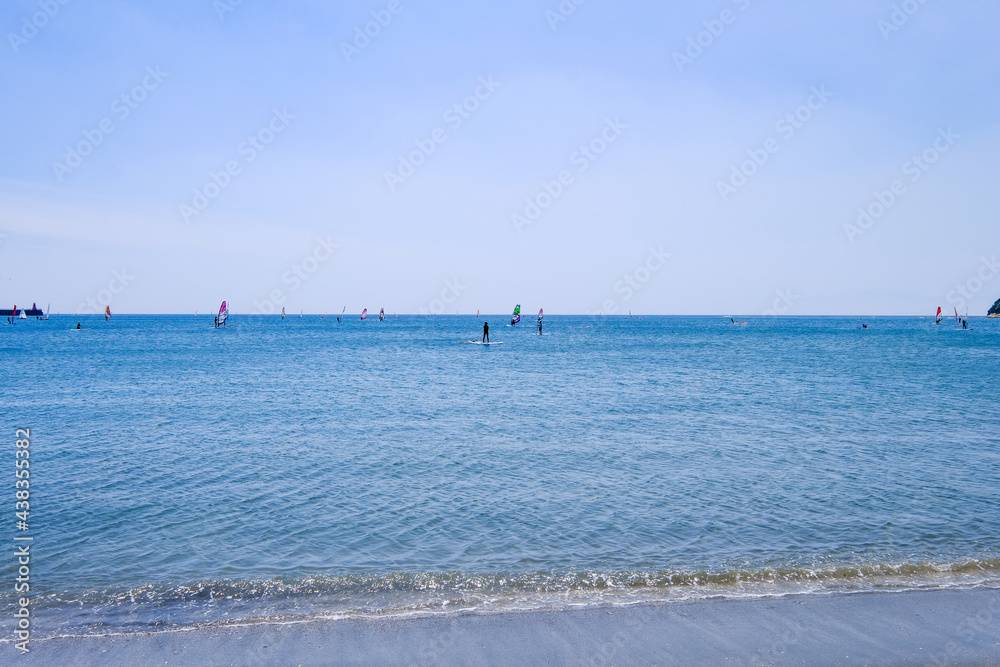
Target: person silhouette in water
x,y
486,332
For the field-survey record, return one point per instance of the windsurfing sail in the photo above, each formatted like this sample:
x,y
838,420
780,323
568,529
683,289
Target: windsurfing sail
x,y
23,315
282,312
938,320
364,314
515,317
540,315
957,318
220,319
107,313
301,311
381,314
477,313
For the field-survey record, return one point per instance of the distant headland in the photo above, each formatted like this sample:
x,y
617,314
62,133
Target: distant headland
x,y
995,310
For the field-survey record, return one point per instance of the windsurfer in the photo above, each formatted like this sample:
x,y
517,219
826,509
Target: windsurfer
x,y
486,332
77,325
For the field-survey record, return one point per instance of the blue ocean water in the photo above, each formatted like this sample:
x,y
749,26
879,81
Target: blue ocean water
x,y
184,475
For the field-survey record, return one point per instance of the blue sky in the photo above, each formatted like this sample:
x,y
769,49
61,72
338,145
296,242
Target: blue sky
x,y
644,126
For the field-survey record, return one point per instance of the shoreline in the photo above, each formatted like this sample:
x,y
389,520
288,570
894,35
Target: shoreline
x,y
949,626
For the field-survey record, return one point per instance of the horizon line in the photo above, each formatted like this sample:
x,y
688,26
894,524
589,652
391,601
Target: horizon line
x,y
626,315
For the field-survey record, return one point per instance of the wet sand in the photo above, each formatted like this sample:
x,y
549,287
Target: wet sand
x,y
944,627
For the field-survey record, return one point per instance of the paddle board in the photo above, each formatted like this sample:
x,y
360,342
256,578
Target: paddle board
x,y
479,342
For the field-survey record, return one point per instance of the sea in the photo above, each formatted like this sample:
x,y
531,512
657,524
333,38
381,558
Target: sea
x,y
186,476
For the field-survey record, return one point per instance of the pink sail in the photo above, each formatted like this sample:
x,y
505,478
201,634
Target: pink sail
x,y
364,314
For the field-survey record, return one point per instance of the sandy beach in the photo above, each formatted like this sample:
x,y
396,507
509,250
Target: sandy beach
x,y
942,627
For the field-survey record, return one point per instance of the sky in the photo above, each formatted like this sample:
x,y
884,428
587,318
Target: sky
x,y
716,157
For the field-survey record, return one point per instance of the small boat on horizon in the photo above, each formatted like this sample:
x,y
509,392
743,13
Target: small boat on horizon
x,y
16,313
